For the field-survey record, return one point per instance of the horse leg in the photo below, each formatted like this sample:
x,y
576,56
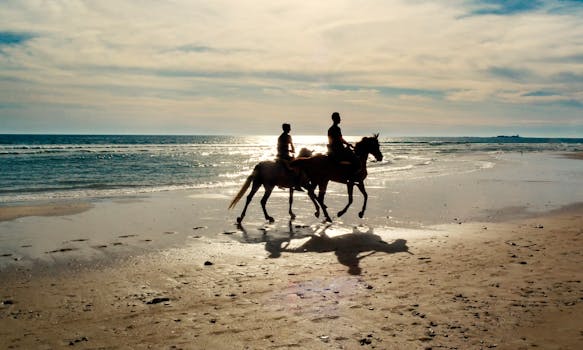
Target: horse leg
x,y
365,195
268,190
254,189
312,196
291,200
321,193
349,189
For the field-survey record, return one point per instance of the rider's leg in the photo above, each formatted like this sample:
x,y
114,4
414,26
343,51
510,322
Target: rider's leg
x,y
354,161
297,180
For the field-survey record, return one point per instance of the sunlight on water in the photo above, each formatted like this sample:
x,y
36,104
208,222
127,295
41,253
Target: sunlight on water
x,y
310,140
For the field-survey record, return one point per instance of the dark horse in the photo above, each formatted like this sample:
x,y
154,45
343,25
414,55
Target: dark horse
x,y
320,170
270,174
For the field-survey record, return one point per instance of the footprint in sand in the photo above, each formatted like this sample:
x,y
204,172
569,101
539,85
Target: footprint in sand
x,y
80,240
127,236
62,250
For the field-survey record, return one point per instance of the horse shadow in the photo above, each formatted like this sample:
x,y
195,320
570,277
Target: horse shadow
x,y
349,248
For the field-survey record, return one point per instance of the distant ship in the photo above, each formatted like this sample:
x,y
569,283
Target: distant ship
x,y
509,137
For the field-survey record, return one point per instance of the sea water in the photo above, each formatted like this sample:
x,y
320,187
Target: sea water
x,y
49,167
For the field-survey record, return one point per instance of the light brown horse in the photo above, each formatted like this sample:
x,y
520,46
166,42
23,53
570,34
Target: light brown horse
x,y
320,170
270,174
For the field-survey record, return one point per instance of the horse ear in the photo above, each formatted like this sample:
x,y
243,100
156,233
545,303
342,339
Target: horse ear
x,y
376,136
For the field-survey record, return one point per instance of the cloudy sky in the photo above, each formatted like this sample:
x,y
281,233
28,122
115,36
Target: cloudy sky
x,y
402,68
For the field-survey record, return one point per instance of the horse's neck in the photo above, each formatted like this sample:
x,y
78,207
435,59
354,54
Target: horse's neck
x,y
362,157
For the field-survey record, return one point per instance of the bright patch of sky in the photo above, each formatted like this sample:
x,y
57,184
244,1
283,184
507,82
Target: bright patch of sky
x,y
244,67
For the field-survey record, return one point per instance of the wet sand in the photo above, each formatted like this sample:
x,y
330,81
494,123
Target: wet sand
x,y
574,155
498,266
513,285
49,209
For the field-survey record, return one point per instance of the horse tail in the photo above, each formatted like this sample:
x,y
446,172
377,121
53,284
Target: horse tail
x,y
245,187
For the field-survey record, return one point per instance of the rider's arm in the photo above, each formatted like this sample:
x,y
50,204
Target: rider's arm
x,y
293,150
346,142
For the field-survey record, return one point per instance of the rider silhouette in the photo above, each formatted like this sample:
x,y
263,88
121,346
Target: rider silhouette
x,y
336,149
285,151
285,146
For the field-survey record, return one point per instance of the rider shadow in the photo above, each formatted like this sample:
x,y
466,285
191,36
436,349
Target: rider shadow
x,y
349,248
274,239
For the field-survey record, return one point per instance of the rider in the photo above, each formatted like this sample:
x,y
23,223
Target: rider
x,y
336,149
285,146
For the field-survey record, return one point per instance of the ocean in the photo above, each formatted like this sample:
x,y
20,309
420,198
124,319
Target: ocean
x,y
71,167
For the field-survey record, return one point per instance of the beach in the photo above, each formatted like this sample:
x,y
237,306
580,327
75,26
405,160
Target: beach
x,y
133,136
487,258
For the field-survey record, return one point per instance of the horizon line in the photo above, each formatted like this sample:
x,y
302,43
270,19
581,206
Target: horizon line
x,y
273,135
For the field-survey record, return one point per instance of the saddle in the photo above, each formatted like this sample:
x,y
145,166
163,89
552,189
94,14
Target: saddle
x,y
284,162
342,156
350,166
292,172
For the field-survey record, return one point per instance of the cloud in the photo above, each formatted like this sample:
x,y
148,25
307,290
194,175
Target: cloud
x,y
469,95
414,98
540,93
510,73
383,59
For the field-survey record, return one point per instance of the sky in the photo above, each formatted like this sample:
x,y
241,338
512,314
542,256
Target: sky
x,y
399,68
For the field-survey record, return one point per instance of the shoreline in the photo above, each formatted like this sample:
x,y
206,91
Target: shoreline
x,y
69,206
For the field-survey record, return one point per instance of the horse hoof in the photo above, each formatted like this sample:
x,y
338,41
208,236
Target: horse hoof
x,y
270,219
340,213
361,214
328,220
317,214
239,219
292,216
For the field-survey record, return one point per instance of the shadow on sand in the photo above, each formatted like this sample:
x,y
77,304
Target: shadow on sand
x,y
349,248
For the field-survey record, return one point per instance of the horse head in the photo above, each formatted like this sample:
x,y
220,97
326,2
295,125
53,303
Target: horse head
x,y
305,153
369,145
